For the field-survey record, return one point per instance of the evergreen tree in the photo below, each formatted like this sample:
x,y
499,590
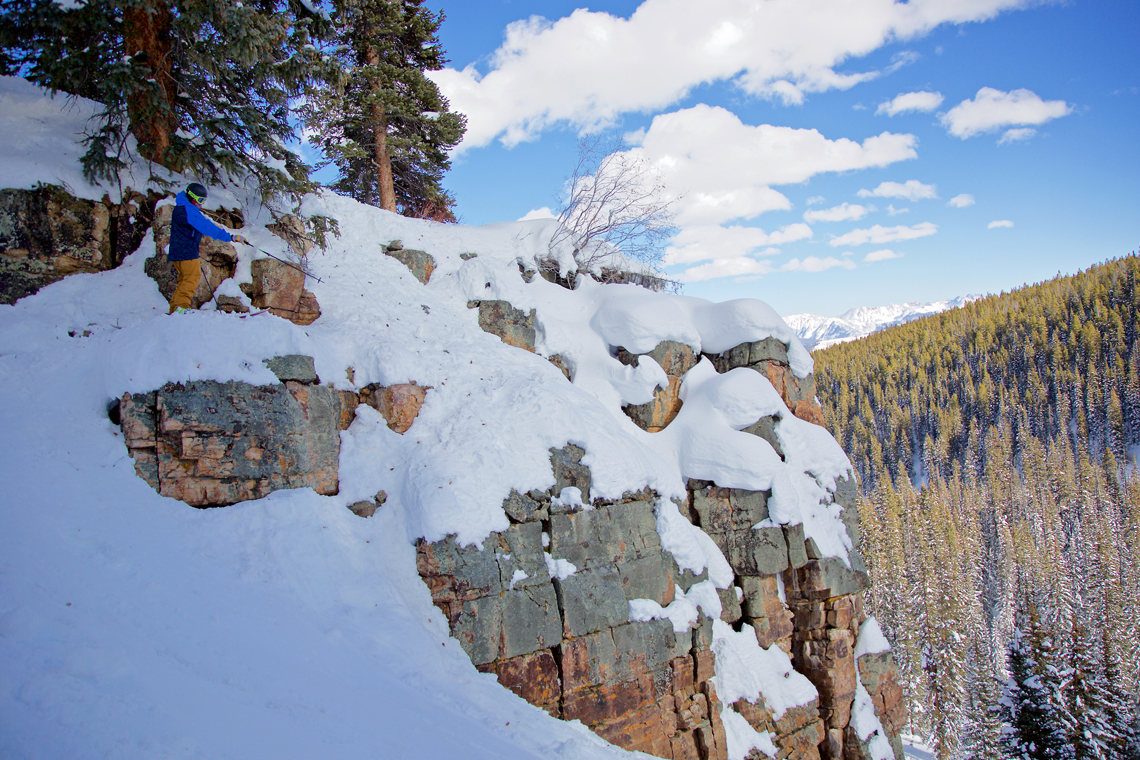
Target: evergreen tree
x,y
202,85
1034,729
383,123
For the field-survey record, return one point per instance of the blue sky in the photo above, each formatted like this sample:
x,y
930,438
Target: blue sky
x,y
767,117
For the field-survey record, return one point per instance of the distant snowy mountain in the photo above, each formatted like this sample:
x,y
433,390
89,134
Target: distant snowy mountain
x,y
815,331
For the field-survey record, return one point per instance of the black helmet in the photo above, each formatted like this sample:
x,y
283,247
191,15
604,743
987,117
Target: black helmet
x,y
196,192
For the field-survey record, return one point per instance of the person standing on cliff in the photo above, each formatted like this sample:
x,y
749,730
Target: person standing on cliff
x,y
187,226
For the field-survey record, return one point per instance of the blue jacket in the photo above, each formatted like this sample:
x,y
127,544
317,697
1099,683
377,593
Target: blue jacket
x,y
187,226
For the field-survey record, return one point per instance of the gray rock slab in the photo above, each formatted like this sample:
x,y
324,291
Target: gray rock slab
x,y
521,549
797,551
530,620
759,551
606,535
592,600
294,367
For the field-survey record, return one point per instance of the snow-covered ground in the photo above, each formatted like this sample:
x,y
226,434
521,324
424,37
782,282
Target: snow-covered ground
x,y
820,332
134,626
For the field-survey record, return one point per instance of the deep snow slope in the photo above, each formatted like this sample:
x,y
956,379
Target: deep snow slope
x,y
132,625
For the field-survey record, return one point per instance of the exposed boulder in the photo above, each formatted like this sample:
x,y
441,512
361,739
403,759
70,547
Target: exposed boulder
x,y
280,288
514,326
557,632
292,230
399,404
421,263
213,444
47,234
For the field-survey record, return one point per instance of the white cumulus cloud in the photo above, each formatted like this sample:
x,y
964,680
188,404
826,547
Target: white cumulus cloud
x,y
816,264
841,213
999,223
911,101
879,234
538,213
882,255
588,68
993,109
912,190
723,169
961,201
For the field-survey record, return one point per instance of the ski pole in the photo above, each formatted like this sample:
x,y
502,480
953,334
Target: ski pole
x,y
283,261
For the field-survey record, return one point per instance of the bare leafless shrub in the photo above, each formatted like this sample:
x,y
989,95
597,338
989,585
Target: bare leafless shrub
x,y
616,202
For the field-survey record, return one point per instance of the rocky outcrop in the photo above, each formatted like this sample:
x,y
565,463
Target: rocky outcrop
x,y
676,359
280,289
513,326
47,234
420,263
212,444
545,606
770,358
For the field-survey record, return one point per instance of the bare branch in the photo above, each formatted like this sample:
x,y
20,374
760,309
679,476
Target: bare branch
x,y
616,202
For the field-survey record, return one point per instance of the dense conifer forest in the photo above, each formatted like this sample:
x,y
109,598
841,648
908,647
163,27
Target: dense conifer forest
x,y
996,447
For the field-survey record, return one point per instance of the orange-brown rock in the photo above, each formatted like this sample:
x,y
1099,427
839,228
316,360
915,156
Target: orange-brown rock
x,y
399,404
676,359
534,677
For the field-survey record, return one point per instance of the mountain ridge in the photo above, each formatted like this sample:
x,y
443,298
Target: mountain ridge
x,y
816,331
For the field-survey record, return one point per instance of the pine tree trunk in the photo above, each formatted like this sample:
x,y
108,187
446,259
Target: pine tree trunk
x,y
147,39
380,155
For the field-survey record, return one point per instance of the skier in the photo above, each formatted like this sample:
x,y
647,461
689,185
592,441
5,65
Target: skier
x,y
188,225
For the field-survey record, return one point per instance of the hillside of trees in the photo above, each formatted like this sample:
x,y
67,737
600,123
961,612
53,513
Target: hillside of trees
x,y
996,447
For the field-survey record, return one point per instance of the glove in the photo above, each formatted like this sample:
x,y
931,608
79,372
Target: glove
x,y
239,239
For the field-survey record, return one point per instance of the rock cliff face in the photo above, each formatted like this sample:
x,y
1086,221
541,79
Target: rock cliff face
x,y
546,604
47,234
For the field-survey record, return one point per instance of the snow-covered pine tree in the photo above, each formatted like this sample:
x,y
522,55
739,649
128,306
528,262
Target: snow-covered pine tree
x,y
383,124
1034,729
1090,701
982,729
203,85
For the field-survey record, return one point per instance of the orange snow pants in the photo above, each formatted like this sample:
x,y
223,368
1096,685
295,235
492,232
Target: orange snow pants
x,y
189,273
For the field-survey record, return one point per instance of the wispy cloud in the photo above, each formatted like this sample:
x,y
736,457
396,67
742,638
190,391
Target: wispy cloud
x,y
909,102
912,190
841,213
588,68
882,255
892,211
961,201
735,267
902,58
879,234
701,243
814,200
1017,135
816,264
999,223
993,109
